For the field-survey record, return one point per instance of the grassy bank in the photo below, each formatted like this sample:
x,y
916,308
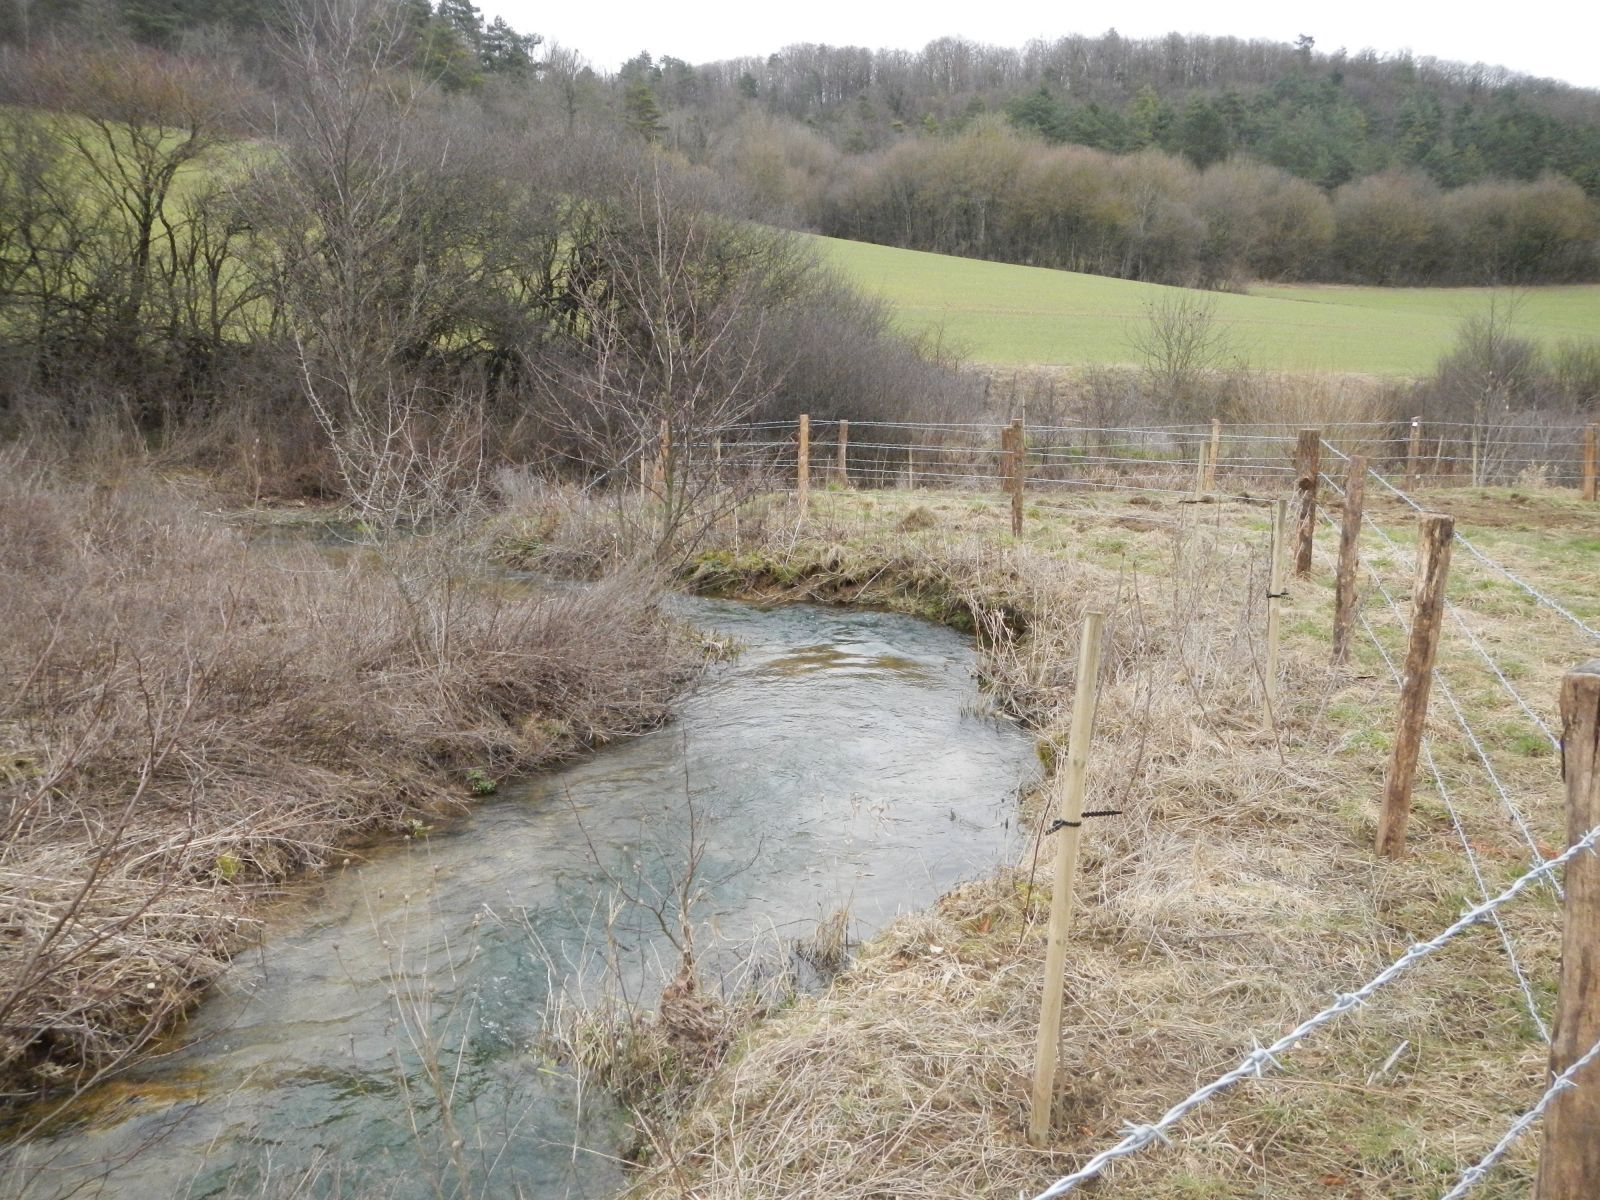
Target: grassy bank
x,y
1012,315
1235,893
189,719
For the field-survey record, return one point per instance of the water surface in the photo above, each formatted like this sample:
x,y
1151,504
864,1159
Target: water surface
x,y
383,1040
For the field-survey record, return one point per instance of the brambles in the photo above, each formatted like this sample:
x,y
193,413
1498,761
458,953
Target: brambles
x,y
189,718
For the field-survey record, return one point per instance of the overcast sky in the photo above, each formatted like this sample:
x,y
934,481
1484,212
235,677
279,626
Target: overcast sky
x,y
1535,37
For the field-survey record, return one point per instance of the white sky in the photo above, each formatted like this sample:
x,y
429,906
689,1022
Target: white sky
x,y
1560,40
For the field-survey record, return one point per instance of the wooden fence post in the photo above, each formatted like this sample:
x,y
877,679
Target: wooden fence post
x,y
1211,458
844,454
1274,599
1070,833
802,477
1199,470
1434,533
1414,454
1344,588
1569,1161
1308,459
1591,461
1019,472
1008,456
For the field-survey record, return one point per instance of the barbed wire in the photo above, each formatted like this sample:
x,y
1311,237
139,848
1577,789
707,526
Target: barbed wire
x,y
1475,1174
1461,832
1254,1064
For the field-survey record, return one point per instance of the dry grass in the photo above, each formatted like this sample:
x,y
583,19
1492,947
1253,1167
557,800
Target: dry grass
x,y
188,719
1234,895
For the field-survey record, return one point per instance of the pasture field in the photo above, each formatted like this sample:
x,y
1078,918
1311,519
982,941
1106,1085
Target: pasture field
x,y
1005,314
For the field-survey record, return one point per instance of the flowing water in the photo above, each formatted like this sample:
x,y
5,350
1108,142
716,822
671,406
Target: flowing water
x,y
841,758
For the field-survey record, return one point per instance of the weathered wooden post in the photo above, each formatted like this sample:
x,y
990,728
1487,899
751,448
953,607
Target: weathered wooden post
x,y
1211,458
1569,1162
1019,472
1414,454
844,454
1344,587
1434,533
1275,594
1591,461
803,463
1070,832
1308,461
1199,470
1008,458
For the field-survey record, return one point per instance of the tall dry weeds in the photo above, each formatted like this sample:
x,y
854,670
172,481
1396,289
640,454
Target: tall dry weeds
x,y
188,719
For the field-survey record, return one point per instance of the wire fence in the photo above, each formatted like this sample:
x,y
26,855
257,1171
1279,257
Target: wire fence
x,y
1529,449
1258,463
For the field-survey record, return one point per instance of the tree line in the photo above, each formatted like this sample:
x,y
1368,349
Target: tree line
x,y
1177,159
330,261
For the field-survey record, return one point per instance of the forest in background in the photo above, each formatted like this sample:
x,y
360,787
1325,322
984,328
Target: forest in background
x,y
1205,161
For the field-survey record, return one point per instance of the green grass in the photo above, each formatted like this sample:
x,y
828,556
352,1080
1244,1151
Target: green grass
x,y
999,313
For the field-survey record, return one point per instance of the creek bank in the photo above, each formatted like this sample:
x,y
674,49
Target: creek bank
x,y
841,755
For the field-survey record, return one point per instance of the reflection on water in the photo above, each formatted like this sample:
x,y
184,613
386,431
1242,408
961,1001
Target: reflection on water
x,y
382,1038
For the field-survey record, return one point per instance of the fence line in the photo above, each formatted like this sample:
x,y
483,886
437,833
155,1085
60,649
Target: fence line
x,y
1461,831
1476,1173
1259,1059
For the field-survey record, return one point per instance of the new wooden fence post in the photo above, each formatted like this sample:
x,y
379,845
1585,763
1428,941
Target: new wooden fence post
x,y
1344,588
1211,458
1070,832
1308,459
803,463
1569,1162
1274,599
844,453
1414,454
1591,462
1019,472
1434,533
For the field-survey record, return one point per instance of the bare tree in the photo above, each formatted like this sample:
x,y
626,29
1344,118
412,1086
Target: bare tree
x,y
671,298
1179,343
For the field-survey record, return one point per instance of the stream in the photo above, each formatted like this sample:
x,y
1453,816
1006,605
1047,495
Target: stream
x,y
383,1038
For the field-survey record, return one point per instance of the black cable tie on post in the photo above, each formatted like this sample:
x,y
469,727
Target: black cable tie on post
x,y
1059,823
1277,595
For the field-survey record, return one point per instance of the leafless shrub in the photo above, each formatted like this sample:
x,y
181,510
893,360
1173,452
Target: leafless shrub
x,y
187,719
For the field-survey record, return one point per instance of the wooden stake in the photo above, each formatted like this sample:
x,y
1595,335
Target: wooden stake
x,y
844,454
1070,834
1019,472
1344,588
1280,519
1199,470
1590,459
802,478
1008,456
1569,1162
1434,534
1308,458
1414,454
1211,458
911,468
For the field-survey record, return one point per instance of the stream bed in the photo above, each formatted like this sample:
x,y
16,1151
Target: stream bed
x,y
383,1039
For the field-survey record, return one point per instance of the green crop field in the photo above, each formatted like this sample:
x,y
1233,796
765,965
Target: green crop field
x,y
998,313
